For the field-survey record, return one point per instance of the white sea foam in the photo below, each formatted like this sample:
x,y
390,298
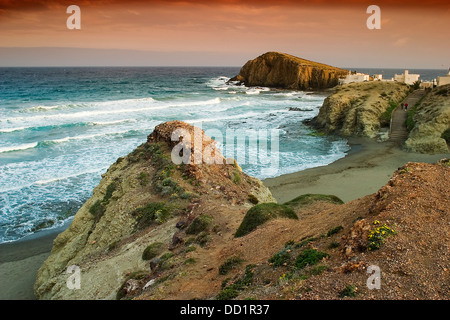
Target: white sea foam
x,y
13,129
85,137
19,147
42,182
107,123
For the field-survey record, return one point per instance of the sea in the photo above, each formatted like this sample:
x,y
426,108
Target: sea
x,y
61,128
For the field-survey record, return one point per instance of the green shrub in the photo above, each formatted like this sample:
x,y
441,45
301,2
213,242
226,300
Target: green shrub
x,y
143,178
152,251
232,291
199,224
252,199
190,261
304,242
97,209
229,264
309,257
109,192
165,261
154,211
236,177
307,199
227,294
385,117
202,238
334,230
416,85
333,245
348,291
281,257
262,213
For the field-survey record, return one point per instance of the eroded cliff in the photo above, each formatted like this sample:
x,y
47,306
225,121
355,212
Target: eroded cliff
x,y
143,199
280,70
357,109
430,122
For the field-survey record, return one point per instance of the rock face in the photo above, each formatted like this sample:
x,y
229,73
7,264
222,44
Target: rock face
x,y
142,199
356,109
432,119
280,70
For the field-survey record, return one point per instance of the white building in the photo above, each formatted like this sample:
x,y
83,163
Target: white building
x,y
378,77
407,77
357,77
443,80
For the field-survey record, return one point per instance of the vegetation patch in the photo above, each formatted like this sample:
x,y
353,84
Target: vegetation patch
x,y
153,212
199,224
309,257
99,206
109,192
97,210
385,117
252,199
152,251
348,291
236,177
261,213
202,238
305,242
378,235
281,258
307,199
231,291
165,261
229,264
143,178
334,230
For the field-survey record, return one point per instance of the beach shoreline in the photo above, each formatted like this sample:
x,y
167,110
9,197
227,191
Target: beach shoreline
x,y
367,167
20,260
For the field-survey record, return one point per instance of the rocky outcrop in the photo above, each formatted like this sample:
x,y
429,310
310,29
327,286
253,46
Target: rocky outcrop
x,y
431,119
280,70
144,198
356,109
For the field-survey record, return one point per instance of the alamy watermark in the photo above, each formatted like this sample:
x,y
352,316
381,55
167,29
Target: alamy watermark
x,y
374,280
74,20
246,146
73,282
374,21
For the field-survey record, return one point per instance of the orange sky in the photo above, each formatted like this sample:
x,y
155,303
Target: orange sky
x,y
229,32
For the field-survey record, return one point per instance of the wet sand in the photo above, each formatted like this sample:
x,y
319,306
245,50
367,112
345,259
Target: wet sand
x,y
19,262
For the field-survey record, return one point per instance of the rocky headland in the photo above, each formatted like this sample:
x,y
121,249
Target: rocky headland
x,y
280,70
360,109
156,230
429,123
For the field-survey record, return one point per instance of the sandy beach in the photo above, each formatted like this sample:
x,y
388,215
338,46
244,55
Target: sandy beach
x,y
20,261
367,167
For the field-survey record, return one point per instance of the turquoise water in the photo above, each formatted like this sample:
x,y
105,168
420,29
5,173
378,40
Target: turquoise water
x,y
61,128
